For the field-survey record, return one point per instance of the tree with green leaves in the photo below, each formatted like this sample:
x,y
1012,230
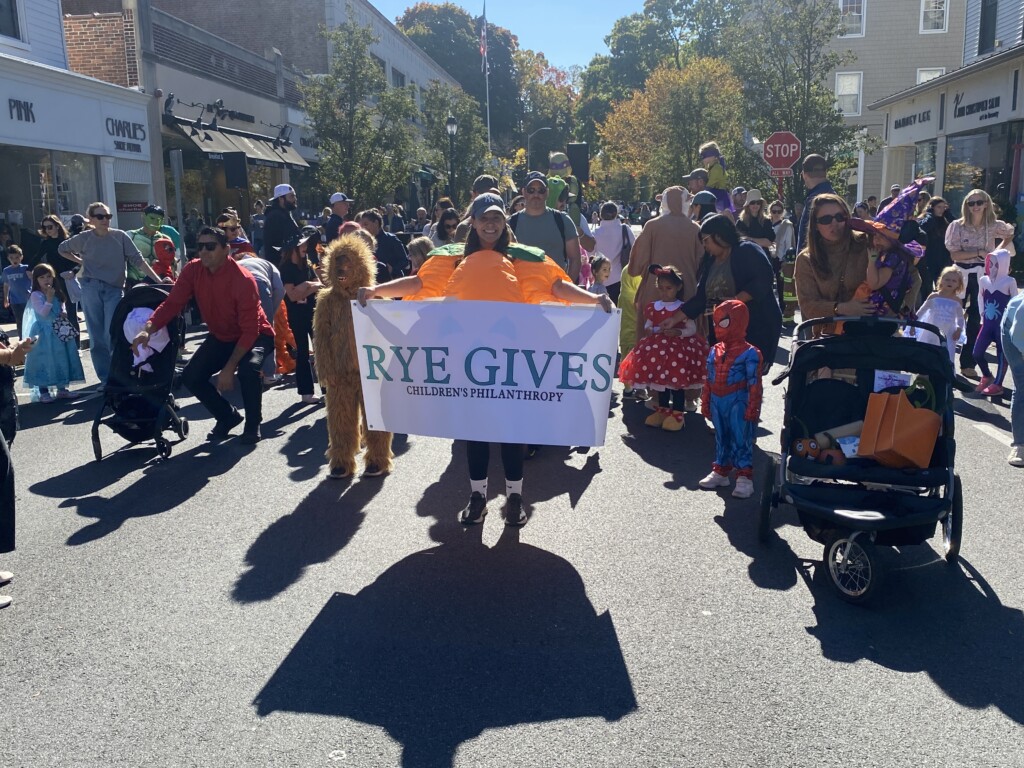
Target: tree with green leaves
x,y
786,58
470,146
451,37
367,142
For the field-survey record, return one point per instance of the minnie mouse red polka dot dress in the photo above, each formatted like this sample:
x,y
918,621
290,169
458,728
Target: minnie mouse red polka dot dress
x,y
661,362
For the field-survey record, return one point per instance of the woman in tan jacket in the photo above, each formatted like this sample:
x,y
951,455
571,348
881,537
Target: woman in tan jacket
x,y
833,264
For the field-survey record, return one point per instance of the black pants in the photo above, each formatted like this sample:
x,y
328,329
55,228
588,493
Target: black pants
x,y
479,456
18,310
6,498
301,323
613,291
672,398
973,317
209,359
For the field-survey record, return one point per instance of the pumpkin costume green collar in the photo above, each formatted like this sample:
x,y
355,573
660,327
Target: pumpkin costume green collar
x,y
515,252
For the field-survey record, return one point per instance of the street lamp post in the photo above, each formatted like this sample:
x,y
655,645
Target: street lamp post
x,y
528,140
452,126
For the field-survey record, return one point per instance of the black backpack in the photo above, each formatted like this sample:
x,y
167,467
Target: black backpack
x,y
627,246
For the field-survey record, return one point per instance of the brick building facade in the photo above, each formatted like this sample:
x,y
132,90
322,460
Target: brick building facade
x,y
103,45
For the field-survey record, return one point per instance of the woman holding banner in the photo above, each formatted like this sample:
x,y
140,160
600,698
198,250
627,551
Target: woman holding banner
x,y
489,267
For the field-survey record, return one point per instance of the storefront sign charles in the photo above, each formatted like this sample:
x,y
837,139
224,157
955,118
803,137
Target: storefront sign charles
x,y
126,129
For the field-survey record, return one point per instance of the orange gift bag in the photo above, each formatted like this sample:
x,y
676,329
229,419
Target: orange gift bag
x,y
896,434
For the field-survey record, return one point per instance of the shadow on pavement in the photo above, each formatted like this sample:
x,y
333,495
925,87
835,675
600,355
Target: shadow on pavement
x,y
320,527
164,485
453,640
685,455
934,618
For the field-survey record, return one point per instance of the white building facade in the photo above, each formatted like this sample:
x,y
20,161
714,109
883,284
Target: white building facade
x,y
66,140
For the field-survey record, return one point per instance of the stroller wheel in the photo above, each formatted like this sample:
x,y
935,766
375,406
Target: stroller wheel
x,y
97,451
182,428
851,566
163,448
953,524
768,502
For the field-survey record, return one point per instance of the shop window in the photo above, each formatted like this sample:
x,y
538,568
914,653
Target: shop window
x,y
933,16
848,87
925,74
852,13
397,78
10,22
987,26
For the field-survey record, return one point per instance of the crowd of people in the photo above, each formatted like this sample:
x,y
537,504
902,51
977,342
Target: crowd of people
x,y
704,293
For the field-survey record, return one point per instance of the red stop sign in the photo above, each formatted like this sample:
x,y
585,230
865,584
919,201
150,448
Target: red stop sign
x,y
782,150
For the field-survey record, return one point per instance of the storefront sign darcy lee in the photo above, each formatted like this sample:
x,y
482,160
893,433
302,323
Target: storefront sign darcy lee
x,y
915,119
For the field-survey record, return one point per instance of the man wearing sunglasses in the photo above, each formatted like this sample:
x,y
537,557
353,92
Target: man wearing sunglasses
x,y
814,173
240,336
104,253
554,232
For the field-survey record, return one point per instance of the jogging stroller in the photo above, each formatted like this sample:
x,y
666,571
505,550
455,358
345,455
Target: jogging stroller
x,y
140,398
846,502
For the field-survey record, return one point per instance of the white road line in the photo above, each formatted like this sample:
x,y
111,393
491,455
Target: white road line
x,y
994,432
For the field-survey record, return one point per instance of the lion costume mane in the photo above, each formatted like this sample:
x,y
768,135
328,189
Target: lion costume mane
x,y
348,263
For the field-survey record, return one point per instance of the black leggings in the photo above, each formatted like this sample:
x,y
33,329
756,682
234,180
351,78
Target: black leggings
x,y
479,456
672,398
972,314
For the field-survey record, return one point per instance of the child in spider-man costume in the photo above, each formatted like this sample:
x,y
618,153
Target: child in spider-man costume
x,y
732,399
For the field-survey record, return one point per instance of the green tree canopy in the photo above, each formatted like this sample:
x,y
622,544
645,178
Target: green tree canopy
x,y
367,145
470,145
451,37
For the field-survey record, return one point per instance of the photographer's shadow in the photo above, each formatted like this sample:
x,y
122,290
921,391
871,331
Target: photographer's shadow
x,y
453,640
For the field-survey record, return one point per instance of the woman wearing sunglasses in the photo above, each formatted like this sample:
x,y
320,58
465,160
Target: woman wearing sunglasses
x,y
976,233
54,233
103,253
444,233
833,263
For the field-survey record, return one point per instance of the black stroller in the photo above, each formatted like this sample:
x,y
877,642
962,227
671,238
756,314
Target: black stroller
x,y
854,504
140,397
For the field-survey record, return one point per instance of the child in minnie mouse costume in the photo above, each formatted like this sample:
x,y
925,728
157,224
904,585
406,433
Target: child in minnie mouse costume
x,y
996,287
732,399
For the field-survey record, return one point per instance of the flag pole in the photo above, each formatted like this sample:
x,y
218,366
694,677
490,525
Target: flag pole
x,y
487,73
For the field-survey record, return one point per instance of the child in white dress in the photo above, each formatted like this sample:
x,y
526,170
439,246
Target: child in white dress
x,y
945,311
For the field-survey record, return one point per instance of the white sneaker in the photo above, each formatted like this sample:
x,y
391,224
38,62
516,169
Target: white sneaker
x,y
714,480
1016,457
311,399
744,487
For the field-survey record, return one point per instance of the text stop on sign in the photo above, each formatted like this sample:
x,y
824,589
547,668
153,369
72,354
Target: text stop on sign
x,y
782,149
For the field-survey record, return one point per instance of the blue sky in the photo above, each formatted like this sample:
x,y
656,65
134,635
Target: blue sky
x,y
566,33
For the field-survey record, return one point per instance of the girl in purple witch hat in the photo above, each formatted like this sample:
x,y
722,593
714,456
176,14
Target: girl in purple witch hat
x,y
890,274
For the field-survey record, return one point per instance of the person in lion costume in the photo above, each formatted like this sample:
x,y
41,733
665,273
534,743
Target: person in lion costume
x,y
347,264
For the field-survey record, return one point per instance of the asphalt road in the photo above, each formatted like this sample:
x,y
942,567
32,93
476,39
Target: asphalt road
x,y
232,606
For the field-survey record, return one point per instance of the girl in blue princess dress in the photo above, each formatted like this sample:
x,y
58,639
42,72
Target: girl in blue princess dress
x,y
54,361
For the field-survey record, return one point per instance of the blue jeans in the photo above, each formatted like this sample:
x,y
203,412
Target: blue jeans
x,y
99,300
1015,360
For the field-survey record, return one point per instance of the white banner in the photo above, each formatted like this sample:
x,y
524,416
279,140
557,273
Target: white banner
x,y
488,371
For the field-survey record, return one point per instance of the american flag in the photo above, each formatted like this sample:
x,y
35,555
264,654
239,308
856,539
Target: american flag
x,y
483,40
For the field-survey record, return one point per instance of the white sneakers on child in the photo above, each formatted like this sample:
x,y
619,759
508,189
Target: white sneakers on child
x,y
744,488
744,485
714,480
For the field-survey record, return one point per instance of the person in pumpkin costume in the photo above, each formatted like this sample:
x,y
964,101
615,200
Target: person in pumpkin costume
x,y
489,267
732,399
346,265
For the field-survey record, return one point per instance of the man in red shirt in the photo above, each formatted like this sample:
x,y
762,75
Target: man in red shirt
x,y
240,335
